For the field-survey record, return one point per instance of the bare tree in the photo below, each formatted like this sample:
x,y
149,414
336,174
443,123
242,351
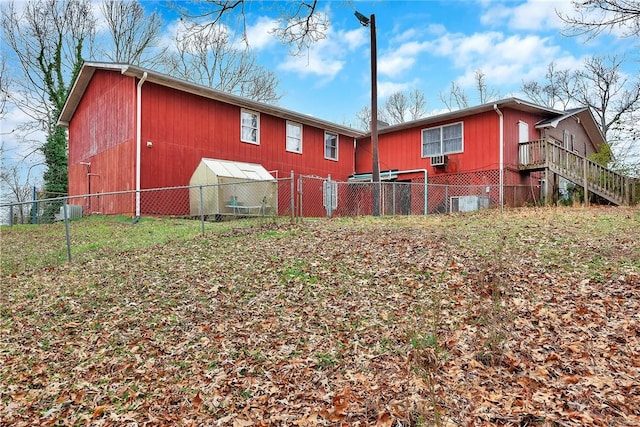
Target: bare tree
x,y
612,96
604,88
399,107
4,87
417,104
455,99
17,187
395,107
614,99
49,38
556,91
485,93
134,34
363,118
300,23
208,56
593,17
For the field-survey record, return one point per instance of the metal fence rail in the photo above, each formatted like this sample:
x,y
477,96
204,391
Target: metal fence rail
x,y
193,207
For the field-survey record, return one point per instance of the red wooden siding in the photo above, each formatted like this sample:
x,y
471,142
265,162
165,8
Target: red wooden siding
x,y
511,133
102,132
402,150
183,128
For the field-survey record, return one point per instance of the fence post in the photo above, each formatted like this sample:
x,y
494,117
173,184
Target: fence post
x,y
328,196
66,228
300,205
446,198
393,197
34,208
11,216
201,211
292,201
426,195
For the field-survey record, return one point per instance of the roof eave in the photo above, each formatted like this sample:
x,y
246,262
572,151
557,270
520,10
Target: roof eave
x,y
89,68
457,114
79,86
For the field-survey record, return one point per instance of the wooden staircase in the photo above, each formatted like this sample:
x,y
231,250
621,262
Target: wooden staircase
x,y
546,154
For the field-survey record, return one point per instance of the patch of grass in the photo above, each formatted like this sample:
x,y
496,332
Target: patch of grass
x,y
325,360
32,247
298,274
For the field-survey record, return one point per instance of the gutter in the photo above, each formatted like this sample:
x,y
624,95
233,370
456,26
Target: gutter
x,y
138,138
495,107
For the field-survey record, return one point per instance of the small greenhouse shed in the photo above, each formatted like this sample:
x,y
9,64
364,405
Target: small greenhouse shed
x,y
223,187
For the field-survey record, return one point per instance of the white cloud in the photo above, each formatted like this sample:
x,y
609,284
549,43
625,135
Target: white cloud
x,y
401,59
171,30
354,38
388,88
505,60
326,58
260,34
532,15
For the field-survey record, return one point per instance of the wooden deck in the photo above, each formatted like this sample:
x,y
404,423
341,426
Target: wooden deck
x,y
547,155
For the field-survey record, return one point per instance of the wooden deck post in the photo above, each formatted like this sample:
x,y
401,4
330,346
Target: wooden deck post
x,y
585,180
549,185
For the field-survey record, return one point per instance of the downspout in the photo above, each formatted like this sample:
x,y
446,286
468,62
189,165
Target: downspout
x,y
501,197
138,139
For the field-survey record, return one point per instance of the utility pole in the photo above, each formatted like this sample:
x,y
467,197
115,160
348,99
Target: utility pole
x,y
375,175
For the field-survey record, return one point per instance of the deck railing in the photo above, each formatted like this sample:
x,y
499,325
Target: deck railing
x,y
546,153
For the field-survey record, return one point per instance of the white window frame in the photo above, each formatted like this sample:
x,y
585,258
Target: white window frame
x,y
293,137
244,112
326,133
442,150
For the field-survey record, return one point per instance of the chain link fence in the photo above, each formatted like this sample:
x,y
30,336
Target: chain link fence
x,y
304,196
214,202
322,197
184,212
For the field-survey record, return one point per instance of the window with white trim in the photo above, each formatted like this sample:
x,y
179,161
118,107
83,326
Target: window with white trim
x,y
330,146
250,127
294,137
441,140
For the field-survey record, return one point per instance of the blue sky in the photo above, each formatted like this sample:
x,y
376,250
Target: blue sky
x,y
421,44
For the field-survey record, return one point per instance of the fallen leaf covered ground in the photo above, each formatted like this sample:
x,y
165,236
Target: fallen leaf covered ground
x,y
531,317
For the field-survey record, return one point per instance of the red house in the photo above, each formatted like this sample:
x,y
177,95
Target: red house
x,y
135,129
479,154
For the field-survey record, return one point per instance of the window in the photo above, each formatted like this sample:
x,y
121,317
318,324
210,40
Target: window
x,y
442,140
294,137
249,127
566,137
330,146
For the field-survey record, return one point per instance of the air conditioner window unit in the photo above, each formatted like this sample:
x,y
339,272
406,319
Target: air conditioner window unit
x,y
439,160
